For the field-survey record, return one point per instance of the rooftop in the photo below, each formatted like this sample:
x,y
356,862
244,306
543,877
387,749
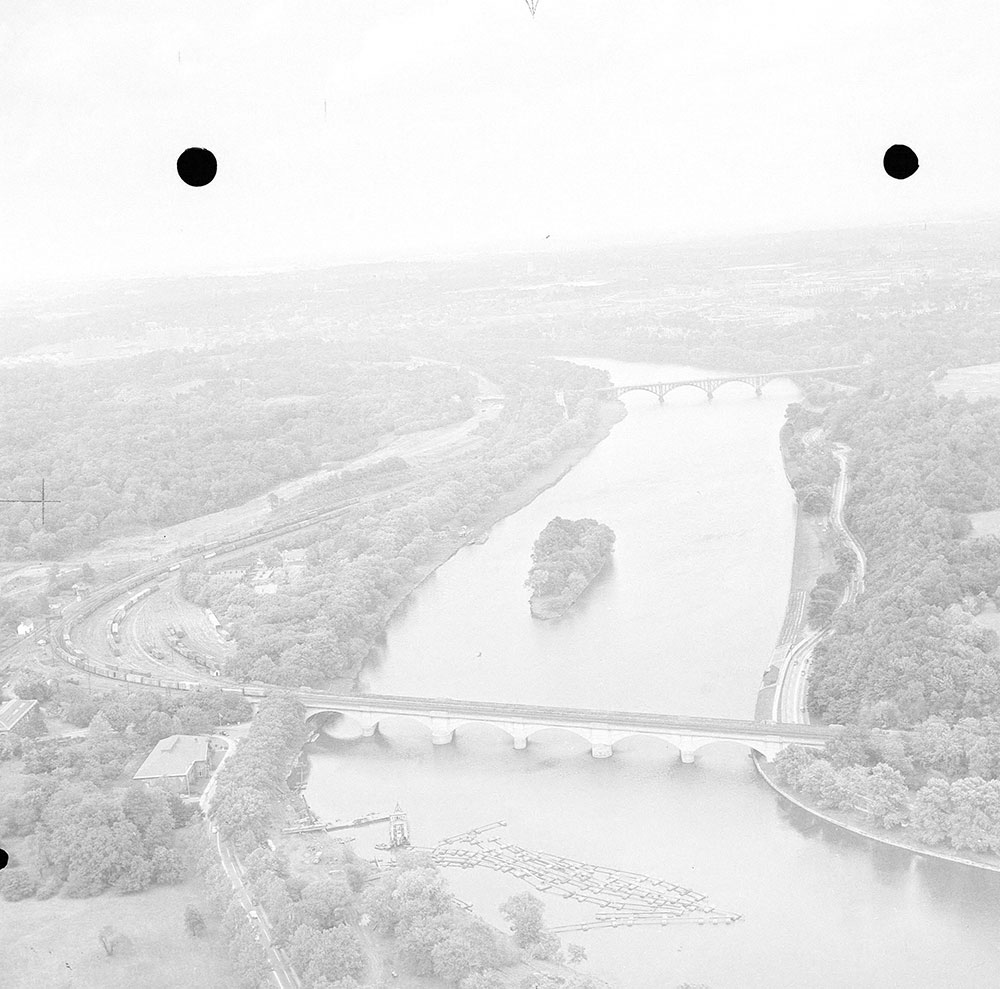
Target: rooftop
x,y
12,712
173,756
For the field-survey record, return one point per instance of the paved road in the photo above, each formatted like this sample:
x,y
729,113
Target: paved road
x,y
533,714
791,695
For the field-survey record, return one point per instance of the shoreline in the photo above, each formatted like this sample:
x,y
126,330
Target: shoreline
x,y
811,556
842,819
609,413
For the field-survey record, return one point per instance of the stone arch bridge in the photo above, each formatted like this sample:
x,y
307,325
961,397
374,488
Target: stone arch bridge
x,y
709,385
601,729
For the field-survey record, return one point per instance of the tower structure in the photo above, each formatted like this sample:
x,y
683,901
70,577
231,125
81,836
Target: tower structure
x,y
399,829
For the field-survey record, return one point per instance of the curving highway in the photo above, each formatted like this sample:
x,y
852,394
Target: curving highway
x,y
791,693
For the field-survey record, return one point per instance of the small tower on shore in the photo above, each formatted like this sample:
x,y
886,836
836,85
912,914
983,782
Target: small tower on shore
x,y
399,829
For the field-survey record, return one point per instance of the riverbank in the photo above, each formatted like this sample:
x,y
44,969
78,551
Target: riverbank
x,y
855,823
812,556
609,414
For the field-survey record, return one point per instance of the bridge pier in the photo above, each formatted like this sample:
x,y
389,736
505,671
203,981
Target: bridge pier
x,y
687,745
367,731
520,739
758,391
601,743
709,394
442,732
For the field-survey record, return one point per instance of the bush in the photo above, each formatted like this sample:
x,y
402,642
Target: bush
x,y
17,884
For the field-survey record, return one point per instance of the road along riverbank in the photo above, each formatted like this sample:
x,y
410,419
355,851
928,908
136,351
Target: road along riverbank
x,y
814,549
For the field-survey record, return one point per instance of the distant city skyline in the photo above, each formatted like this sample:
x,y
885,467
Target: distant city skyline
x,y
365,132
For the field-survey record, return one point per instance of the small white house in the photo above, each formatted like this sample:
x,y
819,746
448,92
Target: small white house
x,y
26,627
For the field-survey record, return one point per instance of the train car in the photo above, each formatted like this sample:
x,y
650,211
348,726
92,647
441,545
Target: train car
x,y
173,567
136,598
208,556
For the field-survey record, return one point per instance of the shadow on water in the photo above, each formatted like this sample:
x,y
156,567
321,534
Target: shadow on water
x,y
963,888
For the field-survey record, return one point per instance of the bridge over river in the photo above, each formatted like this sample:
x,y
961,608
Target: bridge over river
x,y
602,729
709,385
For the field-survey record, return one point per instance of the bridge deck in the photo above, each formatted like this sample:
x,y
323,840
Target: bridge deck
x,y
449,707
716,380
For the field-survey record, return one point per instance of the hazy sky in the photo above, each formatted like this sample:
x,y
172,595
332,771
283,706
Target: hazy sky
x,y
464,124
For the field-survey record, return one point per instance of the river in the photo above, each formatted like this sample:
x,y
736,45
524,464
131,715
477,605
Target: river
x,y
683,622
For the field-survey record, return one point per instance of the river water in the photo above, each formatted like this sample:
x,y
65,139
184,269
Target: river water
x,y
683,622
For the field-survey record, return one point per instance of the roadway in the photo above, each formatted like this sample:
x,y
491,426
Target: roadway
x,y
385,704
791,696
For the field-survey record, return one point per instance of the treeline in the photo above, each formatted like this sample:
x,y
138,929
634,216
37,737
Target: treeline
x,y
939,781
910,648
93,829
809,462
566,557
249,788
324,623
250,779
157,439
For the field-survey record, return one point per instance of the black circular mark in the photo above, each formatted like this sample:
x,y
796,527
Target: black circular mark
x,y
900,162
197,166
4,859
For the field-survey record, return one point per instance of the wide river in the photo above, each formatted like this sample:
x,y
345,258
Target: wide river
x,y
683,622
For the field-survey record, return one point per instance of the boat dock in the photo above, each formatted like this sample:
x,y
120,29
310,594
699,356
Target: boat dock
x,y
623,897
358,822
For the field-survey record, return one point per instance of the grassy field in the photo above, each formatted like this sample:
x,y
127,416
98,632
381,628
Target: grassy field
x,y
985,523
53,943
979,381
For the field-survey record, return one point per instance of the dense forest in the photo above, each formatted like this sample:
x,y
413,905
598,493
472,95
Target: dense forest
x,y
156,439
912,652
910,648
566,557
324,623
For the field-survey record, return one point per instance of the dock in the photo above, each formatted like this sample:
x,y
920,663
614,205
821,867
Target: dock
x,y
622,898
358,822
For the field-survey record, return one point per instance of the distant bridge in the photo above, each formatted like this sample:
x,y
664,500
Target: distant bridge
x,y
709,385
602,729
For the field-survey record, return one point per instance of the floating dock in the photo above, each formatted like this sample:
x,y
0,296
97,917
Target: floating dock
x,y
623,898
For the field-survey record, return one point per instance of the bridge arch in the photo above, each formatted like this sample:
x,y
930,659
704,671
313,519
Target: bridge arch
x,y
658,393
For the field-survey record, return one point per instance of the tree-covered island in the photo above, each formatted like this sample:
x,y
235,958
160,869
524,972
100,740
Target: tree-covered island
x,y
566,557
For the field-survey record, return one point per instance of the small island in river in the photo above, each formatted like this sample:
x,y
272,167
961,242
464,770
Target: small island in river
x,y
565,559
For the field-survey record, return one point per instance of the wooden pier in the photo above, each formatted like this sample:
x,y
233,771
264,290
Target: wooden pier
x,y
358,822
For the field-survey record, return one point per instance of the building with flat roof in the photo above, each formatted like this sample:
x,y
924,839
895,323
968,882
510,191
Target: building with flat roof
x,y
22,717
176,763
